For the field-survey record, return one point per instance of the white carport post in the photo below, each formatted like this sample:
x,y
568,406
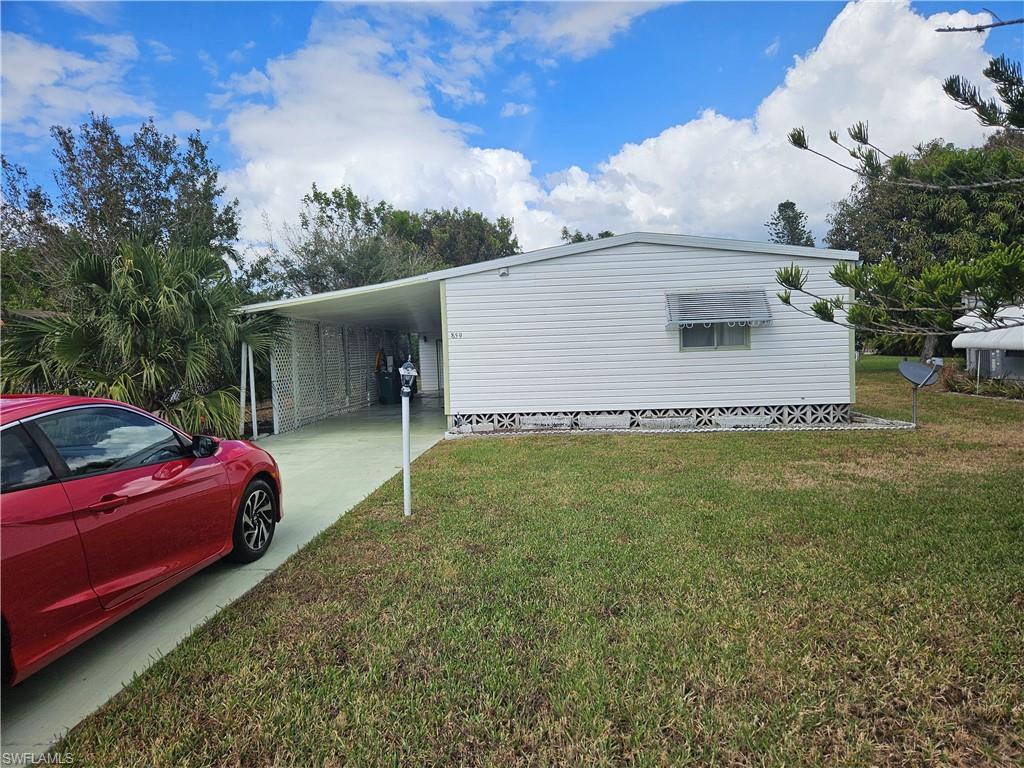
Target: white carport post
x,y
248,376
252,393
241,390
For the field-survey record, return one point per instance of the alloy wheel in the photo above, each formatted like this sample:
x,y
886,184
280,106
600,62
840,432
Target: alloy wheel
x,y
257,519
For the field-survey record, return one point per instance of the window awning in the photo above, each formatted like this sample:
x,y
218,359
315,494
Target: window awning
x,y
737,306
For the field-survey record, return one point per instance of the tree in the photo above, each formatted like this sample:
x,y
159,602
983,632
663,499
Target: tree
x,y
916,226
940,229
924,306
926,245
344,241
153,325
581,237
788,225
462,236
148,188
981,27
109,190
1005,112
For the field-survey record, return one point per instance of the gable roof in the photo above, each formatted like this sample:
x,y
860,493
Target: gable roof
x,y
557,251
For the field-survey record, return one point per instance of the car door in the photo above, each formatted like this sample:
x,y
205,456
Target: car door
x,y
45,590
145,507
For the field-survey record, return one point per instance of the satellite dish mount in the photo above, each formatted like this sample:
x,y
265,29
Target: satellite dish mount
x,y
920,375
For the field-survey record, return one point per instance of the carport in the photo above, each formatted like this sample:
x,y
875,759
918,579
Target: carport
x,y
333,344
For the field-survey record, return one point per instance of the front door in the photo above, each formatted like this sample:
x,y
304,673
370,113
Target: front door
x,y
145,508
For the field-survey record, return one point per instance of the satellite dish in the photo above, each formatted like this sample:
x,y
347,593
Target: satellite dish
x,y
920,375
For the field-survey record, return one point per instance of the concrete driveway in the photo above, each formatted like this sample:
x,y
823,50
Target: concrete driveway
x,y
326,469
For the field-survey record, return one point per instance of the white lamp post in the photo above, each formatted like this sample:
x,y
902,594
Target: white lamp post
x,y
408,377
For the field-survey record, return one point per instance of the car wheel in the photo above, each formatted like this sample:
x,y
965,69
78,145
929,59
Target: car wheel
x,y
255,523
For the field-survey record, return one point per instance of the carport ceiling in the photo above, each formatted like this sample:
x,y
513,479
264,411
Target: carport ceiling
x,y
407,305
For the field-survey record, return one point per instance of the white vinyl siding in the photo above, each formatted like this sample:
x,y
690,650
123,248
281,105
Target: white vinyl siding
x,y
588,332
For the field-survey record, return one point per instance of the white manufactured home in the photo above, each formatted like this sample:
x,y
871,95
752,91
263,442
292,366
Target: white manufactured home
x,y
993,350
639,330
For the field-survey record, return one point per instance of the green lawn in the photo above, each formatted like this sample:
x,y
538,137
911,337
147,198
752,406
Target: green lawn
x,y
730,599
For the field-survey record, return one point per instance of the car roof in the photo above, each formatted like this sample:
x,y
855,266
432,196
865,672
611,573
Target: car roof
x,y
15,407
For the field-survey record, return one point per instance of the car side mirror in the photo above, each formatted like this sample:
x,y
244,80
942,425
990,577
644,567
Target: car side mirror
x,y
203,446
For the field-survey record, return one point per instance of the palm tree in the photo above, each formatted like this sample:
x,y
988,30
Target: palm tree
x,y
155,327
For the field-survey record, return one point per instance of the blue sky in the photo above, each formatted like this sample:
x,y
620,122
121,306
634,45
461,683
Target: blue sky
x,y
505,88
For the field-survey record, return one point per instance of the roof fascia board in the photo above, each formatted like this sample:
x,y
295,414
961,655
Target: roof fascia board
x,y
315,298
572,249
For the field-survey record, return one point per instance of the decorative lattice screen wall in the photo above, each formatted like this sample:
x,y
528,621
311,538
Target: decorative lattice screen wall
x,y
320,370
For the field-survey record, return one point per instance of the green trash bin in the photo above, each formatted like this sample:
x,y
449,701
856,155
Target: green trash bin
x,y
385,387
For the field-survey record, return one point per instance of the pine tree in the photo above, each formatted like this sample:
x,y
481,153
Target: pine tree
x,y
788,226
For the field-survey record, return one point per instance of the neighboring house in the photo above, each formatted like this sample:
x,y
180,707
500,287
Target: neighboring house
x,y
994,352
641,330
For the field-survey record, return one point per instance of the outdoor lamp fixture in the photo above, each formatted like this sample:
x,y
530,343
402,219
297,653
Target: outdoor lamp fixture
x,y
408,373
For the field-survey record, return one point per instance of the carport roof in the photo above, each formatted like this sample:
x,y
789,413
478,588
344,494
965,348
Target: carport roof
x,y
1006,333
414,303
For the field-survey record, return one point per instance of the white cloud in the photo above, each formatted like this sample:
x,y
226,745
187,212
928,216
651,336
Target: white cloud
x,y
354,107
102,12
521,85
116,46
351,108
514,109
160,51
576,29
721,176
238,55
208,63
186,122
336,118
44,85
772,49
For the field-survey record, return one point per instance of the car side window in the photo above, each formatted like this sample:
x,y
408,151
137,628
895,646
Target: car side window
x,y
107,439
21,462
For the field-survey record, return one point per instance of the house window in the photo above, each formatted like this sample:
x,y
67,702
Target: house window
x,y
717,319
714,336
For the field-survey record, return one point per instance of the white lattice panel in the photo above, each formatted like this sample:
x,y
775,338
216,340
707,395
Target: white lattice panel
x,y
321,370
356,345
332,348
281,381
308,372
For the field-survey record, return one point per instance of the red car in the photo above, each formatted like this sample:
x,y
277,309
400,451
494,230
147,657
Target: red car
x,y
103,507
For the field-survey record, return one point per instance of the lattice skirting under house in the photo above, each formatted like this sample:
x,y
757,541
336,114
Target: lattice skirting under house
x,y
730,417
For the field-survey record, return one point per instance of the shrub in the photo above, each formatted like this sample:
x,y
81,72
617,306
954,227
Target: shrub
x,y
956,379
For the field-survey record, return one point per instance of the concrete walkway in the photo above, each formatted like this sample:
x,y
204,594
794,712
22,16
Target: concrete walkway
x,y
326,469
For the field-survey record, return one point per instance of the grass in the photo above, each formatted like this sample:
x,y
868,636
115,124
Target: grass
x,y
730,599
